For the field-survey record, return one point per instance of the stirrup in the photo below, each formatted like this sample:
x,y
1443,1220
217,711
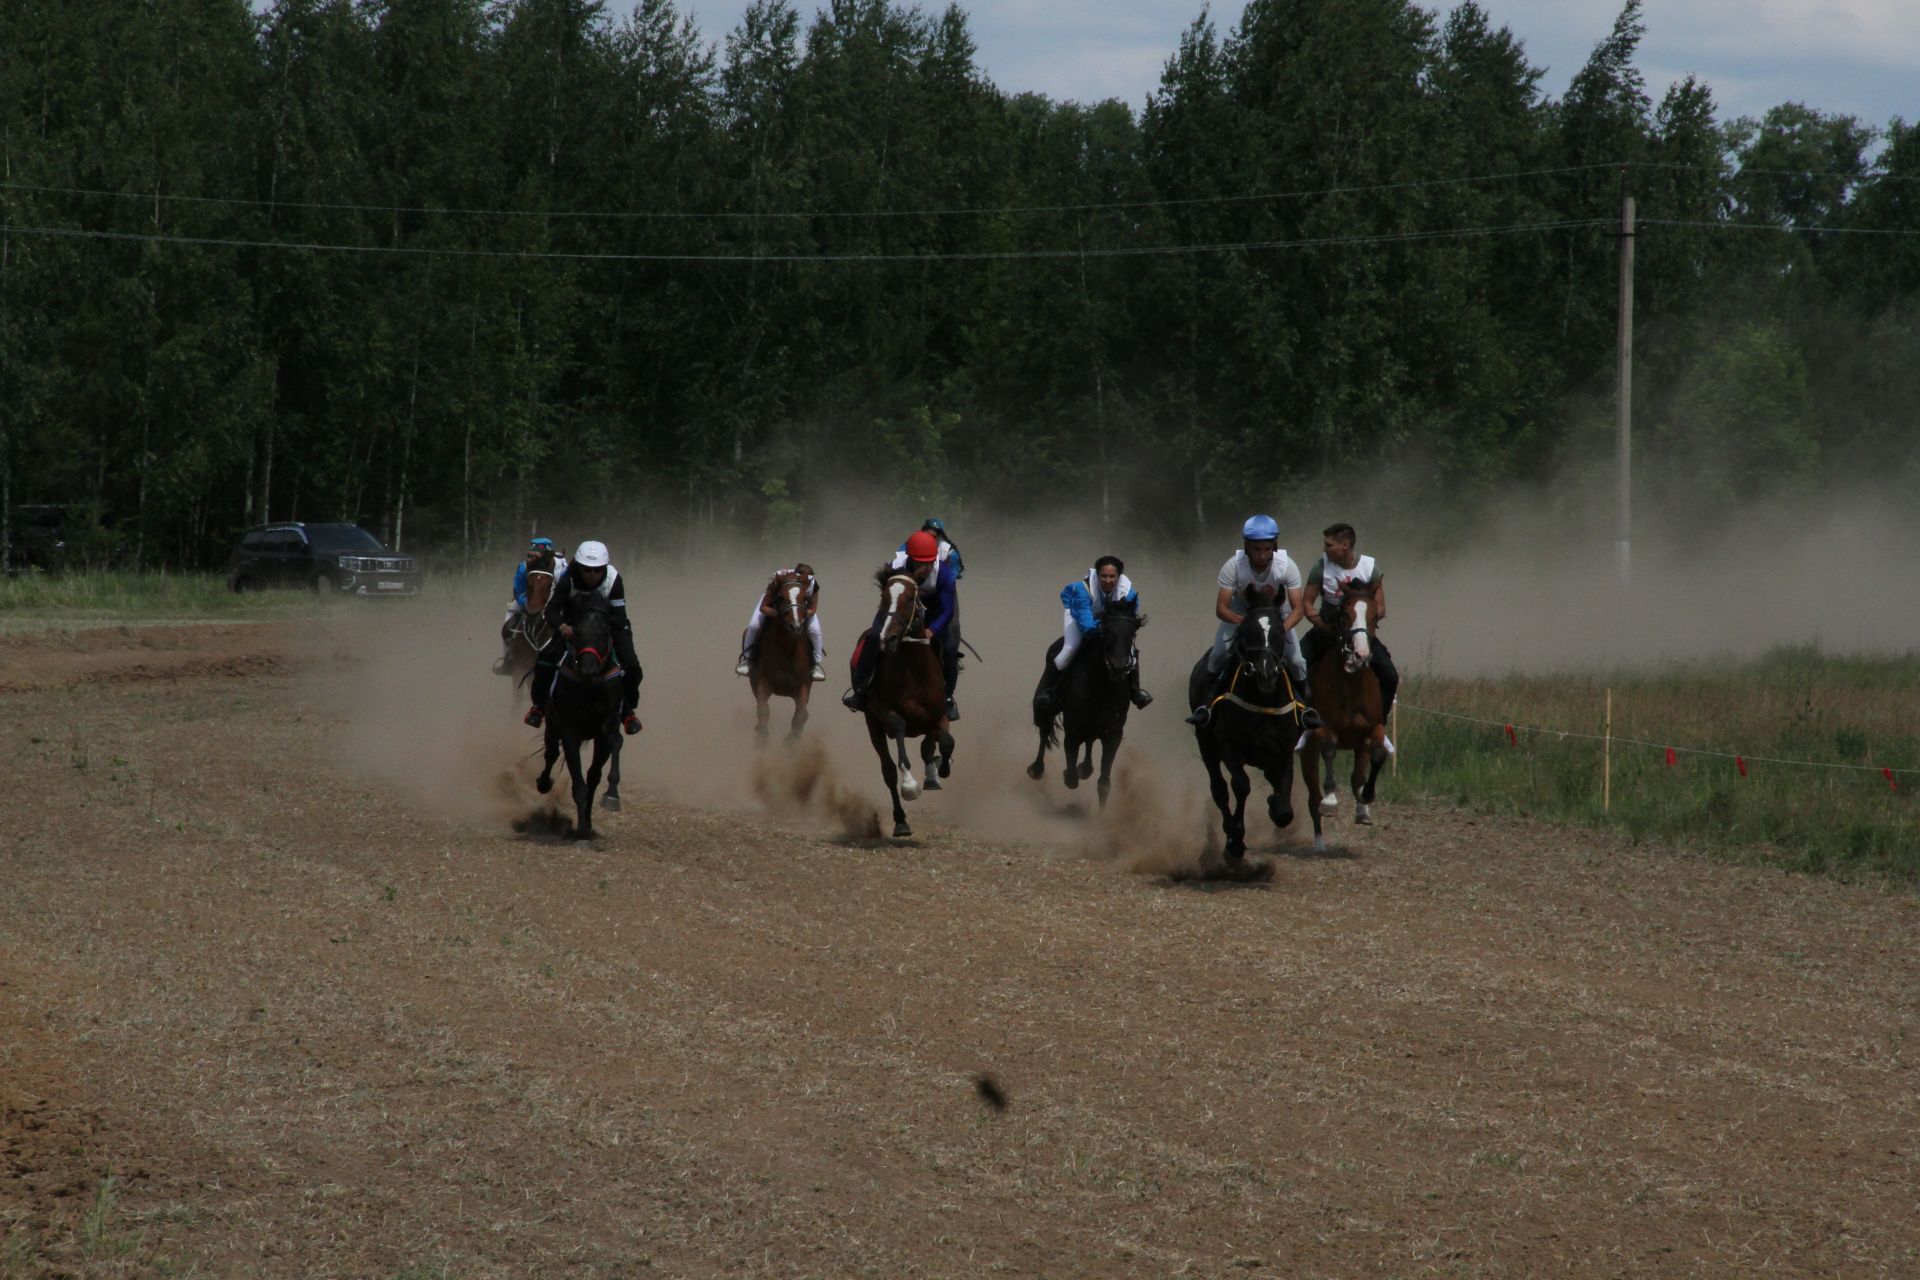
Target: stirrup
x,y
854,700
1141,699
1309,718
1201,715
503,665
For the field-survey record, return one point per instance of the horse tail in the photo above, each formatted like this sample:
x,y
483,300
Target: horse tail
x,y
1047,722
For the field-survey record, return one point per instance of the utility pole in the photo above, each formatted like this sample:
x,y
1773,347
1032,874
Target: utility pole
x,y
1623,406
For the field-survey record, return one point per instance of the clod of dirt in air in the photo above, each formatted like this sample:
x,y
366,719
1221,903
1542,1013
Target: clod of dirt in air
x,y
990,1091
546,823
800,781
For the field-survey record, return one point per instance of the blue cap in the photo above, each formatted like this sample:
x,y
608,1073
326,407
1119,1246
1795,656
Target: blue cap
x,y
1260,529
934,525
541,542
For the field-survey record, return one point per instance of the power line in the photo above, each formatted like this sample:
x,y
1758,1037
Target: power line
x,y
1719,225
694,258
801,214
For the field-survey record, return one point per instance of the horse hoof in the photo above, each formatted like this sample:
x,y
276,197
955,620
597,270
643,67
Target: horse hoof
x,y
1086,769
901,831
1072,778
1319,844
1362,815
1036,771
933,784
610,803
1236,852
1329,803
1281,817
543,785
946,767
909,789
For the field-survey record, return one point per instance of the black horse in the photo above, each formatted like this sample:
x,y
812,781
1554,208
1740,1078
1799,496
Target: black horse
x,y
1255,723
1095,694
585,706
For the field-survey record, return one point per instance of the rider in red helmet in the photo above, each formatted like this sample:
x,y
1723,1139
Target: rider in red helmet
x,y
939,592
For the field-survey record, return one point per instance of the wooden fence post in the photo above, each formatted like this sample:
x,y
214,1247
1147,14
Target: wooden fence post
x,y
1606,758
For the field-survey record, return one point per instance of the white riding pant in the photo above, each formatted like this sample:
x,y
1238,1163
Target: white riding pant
x,y
1223,636
813,634
1069,641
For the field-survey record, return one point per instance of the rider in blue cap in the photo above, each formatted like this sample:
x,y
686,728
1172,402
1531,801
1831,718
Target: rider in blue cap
x,y
1262,567
541,554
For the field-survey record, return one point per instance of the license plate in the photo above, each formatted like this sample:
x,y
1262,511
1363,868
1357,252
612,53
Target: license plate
x,y
393,586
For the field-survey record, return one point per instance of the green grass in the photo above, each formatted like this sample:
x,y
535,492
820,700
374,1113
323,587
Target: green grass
x,y
104,597
1791,705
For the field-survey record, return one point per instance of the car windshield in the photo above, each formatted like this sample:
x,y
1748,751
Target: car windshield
x,y
337,538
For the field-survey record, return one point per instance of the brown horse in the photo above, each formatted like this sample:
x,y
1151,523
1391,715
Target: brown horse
x,y
1346,693
908,695
782,660
529,629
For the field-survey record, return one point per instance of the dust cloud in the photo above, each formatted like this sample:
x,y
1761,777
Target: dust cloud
x,y
1528,588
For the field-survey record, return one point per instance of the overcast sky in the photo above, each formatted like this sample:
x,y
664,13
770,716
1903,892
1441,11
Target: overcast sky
x,y
1860,57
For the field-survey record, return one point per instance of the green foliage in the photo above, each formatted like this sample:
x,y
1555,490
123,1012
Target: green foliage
x,y
1390,247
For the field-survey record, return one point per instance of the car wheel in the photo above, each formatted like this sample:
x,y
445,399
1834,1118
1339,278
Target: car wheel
x,y
244,586
320,584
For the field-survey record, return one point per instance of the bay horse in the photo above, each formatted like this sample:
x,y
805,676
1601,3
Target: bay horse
x,y
781,663
1095,694
1255,723
907,697
585,707
1346,693
529,631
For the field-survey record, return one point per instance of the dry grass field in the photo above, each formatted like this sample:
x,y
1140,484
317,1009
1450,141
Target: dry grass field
x,y
284,992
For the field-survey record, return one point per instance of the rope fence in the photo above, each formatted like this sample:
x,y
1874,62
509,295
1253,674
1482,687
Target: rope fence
x,y
1608,740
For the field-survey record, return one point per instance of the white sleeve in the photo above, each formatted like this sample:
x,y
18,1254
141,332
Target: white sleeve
x,y
1226,571
1292,576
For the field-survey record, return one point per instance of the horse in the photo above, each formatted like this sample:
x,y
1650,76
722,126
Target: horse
x,y
1346,693
1254,723
907,696
529,632
782,659
1095,694
585,706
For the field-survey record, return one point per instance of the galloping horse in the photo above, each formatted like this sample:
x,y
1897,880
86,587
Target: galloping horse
x,y
782,660
1346,693
585,706
530,632
1254,723
908,695
1095,696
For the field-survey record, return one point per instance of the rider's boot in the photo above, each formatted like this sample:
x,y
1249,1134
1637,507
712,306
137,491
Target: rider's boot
x,y
819,673
854,699
1141,698
630,722
953,712
1203,713
1309,718
504,666
533,718
745,664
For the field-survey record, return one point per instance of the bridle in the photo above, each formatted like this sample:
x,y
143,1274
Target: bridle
x,y
895,586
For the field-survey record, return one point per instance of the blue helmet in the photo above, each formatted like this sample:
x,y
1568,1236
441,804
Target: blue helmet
x,y
934,526
541,542
1260,529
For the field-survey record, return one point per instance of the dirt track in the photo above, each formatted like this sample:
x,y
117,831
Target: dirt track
x,y
314,1026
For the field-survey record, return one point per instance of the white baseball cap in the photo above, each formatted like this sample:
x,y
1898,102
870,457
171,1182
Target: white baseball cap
x,y
591,555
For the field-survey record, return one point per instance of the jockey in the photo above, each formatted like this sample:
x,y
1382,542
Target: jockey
x,y
1326,588
947,550
540,555
939,592
1273,577
1086,604
768,607
590,573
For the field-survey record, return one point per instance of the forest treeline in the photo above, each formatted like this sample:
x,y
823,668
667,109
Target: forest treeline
x,y
445,267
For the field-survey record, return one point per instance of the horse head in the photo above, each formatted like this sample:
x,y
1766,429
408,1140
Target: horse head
x,y
900,602
1358,613
592,643
1262,643
1118,628
788,592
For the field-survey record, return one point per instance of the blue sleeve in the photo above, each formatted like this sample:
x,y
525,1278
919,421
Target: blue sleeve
x,y
945,597
1133,598
959,569
1080,604
520,583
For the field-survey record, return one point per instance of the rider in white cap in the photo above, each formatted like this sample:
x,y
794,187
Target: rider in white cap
x,y
590,573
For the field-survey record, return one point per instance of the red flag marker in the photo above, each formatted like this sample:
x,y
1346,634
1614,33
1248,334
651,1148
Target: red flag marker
x,y
1887,772
1513,739
1740,763
1671,758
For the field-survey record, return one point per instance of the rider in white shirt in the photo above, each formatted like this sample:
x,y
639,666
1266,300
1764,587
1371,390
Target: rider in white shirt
x,y
1261,565
1326,588
767,607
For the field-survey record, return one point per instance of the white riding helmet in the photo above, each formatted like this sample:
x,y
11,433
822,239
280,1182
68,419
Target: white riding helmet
x,y
591,555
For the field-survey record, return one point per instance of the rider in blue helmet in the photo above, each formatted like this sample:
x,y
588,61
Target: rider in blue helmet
x,y
541,554
1260,566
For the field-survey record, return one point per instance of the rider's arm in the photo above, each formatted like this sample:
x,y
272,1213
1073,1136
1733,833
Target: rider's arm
x,y
1316,584
1379,601
1296,611
1223,607
944,600
1080,605
520,583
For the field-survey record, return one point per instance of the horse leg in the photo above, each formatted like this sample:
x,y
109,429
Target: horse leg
x,y
1109,748
1363,791
1310,764
761,695
883,749
1216,781
800,712
929,768
946,754
602,748
582,803
544,783
1329,753
611,800
1072,775
1280,803
909,785
1242,785
1038,769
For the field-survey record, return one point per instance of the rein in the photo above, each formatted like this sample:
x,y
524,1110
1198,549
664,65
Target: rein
x,y
1260,707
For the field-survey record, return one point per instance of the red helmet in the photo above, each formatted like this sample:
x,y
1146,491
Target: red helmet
x,y
923,548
